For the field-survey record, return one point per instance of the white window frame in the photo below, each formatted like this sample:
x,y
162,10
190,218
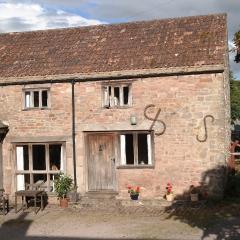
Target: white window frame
x,y
150,145
20,172
109,101
28,103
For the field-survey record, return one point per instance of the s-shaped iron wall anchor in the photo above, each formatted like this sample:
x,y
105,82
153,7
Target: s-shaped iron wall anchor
x,y
155,119
205,128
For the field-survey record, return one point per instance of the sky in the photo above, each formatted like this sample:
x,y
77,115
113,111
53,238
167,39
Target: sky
x,y
28,15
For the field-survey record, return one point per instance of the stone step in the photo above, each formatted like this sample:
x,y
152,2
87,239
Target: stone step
x,y
98,202
101,203
101,194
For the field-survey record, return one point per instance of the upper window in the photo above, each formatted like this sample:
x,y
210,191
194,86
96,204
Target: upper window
x,y
117,95
36,98
136,148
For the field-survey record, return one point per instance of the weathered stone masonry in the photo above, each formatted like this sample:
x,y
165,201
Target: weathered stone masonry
x,y
179,158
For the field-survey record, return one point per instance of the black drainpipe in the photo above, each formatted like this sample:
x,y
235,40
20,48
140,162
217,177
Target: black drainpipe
x,y
73,135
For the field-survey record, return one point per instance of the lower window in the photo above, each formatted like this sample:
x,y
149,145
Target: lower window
x,y
136,148
39,164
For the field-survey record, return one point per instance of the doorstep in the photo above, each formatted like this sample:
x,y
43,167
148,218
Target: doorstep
x,y
101,194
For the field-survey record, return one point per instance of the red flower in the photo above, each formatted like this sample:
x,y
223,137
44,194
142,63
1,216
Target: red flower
x,y
169,188
133,190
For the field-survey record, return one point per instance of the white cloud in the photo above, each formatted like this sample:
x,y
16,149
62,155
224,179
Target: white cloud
x,y
28,16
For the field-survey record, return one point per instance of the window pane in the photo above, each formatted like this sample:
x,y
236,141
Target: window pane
x,y
149,142
116,96
106,97
39,158
44,98
22,180
40,179
22,157
55,156
27,99
142,149
36,99
52,186
129,149
125,95
123,149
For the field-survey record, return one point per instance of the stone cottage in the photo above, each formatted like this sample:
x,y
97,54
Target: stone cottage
x,y
140,104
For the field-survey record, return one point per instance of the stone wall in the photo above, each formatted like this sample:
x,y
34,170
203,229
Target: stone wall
x,y
32,125
178,157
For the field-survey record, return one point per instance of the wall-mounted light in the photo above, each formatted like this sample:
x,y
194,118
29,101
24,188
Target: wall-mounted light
x,y
133,120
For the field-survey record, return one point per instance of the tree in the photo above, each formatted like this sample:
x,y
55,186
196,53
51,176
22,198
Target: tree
x,y
234,97
236,41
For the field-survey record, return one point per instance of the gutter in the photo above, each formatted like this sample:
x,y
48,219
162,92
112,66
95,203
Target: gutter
x,y
73,136
115,75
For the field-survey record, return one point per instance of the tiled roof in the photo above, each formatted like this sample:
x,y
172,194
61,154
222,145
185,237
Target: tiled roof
x,y
187,41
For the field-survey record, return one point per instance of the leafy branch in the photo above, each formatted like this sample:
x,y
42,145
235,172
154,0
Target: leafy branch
x,y
236,41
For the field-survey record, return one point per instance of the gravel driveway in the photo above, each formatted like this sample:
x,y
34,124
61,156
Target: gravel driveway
x,y
75,224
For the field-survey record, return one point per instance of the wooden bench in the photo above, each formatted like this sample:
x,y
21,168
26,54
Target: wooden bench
x,y
33,193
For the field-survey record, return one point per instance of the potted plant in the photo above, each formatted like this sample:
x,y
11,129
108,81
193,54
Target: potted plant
x,y
134,192
194,194
63,185
169,193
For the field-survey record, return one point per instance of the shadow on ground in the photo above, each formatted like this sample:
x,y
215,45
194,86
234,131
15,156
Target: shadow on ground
x,y
17,228
218,219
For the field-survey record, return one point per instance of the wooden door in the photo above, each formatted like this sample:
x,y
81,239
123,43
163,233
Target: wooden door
x,y
101,162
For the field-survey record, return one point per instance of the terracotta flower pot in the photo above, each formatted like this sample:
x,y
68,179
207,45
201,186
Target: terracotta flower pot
x,y
63,202
170,197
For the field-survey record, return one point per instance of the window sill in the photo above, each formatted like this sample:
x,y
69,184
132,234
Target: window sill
x,y
117,107
36,108
51,194
136,167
